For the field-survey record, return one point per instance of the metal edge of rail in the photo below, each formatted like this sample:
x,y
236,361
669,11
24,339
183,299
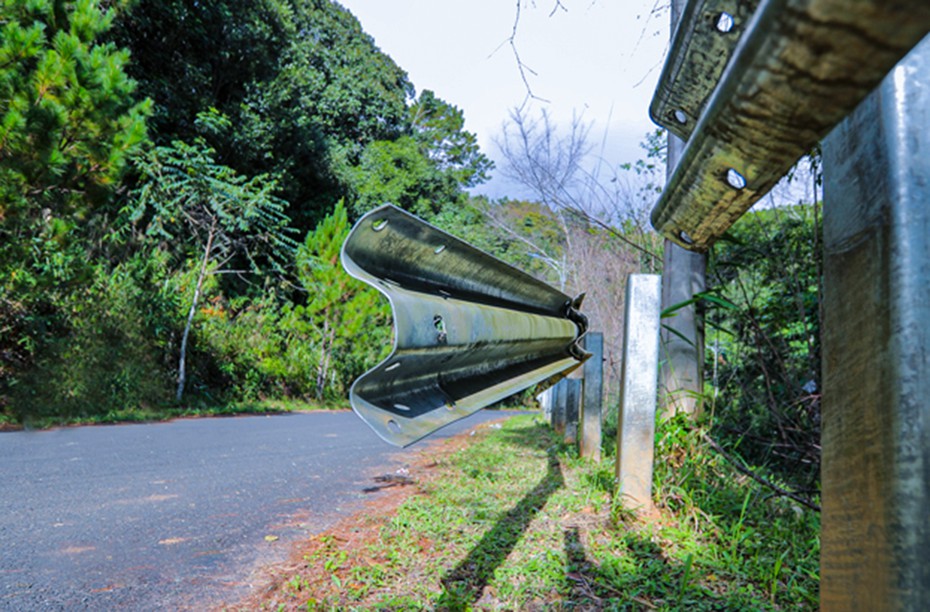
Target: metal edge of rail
x,y
469,329
707,33
800,67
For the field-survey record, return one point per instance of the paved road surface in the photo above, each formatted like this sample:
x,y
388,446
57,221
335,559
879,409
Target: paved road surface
x,y
171,515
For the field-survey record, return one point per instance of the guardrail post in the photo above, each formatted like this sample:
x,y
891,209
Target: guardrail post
x,y
592,398
559,403
639,383
545,403
876,367
572,401
681,374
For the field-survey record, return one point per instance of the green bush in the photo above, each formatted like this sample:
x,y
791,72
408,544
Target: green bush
x,y
106,357
763,365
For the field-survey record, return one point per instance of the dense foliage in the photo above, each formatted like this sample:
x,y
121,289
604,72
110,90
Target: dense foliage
x,y
763,341
171,176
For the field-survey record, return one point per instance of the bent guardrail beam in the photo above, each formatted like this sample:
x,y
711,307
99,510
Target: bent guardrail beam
x,y
797,70
469,330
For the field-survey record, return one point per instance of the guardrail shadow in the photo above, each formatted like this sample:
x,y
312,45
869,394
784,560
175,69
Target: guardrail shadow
x,y
463,585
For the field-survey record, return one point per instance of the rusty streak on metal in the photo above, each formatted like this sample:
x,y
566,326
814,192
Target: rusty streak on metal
x,y
797,70
469,330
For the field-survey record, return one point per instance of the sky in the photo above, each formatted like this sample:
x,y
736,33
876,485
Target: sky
x,y
597,59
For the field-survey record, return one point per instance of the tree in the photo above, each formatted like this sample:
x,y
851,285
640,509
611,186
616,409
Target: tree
x,y
556,168
215,212
69,122
305,87
439,127
423,171
340,307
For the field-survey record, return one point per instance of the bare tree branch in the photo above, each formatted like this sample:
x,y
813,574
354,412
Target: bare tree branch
x,y
762,481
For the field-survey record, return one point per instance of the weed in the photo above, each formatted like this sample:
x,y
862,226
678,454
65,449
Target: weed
x,y
516,521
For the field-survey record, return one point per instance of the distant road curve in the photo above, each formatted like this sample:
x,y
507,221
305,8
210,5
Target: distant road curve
x,y
172,515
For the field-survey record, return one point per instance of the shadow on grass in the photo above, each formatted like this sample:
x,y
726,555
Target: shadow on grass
x,y
464,584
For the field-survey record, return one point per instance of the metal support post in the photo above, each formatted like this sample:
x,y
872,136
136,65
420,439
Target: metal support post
x,y
636,427
572,401
876,347
682,372
592,398
545,403
683,275
559,406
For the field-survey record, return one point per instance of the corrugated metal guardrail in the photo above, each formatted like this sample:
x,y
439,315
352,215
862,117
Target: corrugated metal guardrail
x,y
800,68
469,330
796,68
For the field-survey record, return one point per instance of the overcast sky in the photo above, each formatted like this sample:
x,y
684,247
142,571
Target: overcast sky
x,y
596,58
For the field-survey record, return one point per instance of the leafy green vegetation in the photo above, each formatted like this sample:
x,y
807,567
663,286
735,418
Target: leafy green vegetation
x,y
518,521
763,342
172,180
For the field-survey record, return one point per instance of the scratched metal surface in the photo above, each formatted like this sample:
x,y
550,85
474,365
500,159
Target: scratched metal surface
x,y
797,70
469,330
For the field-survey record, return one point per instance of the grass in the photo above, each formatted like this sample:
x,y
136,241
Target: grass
x,y
517,521
145,414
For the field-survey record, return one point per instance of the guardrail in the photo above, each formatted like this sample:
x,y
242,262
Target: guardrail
x,y
796,69
469,330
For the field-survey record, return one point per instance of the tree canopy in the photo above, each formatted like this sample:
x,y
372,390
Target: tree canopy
x,y
163,159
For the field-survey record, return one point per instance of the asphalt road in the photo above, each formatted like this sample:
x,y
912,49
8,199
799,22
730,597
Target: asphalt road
x,y
175,515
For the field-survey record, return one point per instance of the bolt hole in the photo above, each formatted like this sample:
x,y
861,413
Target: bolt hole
x,y
439,249
392,367
393,426
402,407
379,225
725,23
735,179
680,116
684,237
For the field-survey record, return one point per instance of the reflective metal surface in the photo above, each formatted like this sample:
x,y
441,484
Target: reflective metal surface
x,y
469,330
638,391
875,551
797,70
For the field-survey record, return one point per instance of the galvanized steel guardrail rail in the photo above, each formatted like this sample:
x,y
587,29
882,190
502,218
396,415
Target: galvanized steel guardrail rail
x,y
469,330
858,73
754,88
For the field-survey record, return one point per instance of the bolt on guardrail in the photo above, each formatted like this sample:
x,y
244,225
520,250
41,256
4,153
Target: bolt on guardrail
x,y
799,67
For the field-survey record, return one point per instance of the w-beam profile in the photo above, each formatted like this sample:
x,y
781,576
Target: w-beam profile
x,y
469,330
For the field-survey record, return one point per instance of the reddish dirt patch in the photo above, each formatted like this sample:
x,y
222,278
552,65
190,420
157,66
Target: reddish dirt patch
x,y
352,535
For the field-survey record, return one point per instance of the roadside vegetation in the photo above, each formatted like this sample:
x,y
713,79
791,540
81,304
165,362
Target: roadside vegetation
x,y
517,521
167,412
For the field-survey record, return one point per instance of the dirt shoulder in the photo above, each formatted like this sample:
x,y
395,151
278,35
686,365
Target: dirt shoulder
x,y
294,582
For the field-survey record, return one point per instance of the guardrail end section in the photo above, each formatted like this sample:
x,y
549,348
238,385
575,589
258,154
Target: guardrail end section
x,y
469,329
